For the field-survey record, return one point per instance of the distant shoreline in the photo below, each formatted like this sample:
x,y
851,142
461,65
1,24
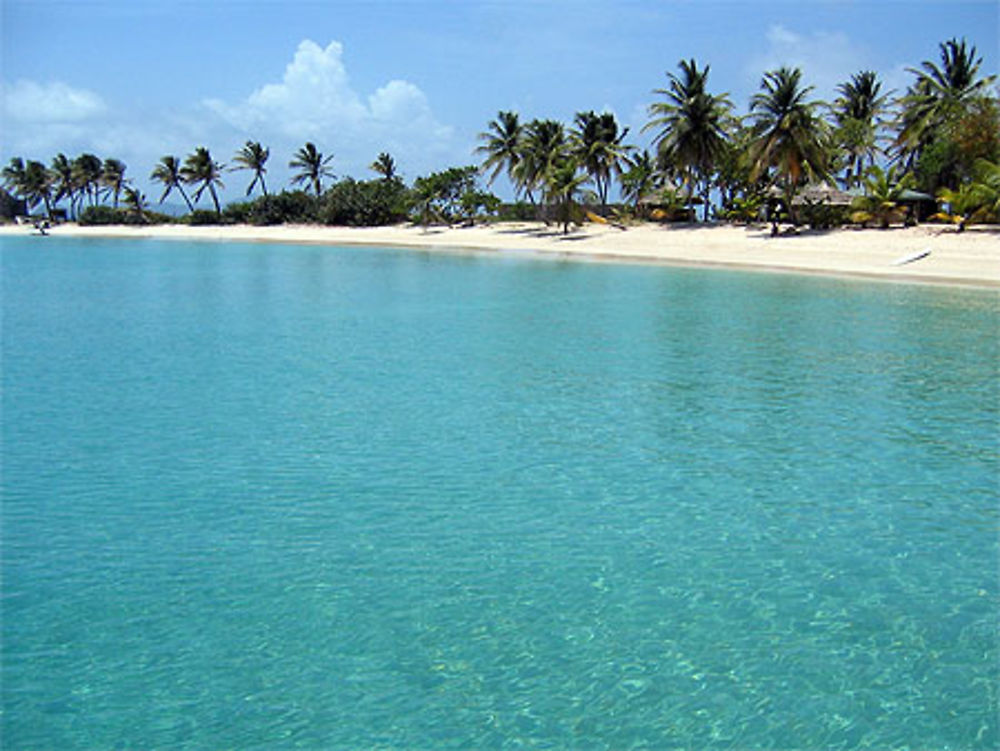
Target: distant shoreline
x,y
971,258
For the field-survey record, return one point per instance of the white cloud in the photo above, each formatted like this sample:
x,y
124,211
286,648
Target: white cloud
x,y
32,102
316,101
827,59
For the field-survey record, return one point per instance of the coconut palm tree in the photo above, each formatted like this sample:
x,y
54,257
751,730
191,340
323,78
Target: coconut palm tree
x,y
502,146
312,167
168,172
692,126
252,157
880,203
87,171
939,94
562,184
63,182
385,165
640,179
113,178
789,136
201,170
136,202
36,186
544,145
857,113
598,145
13,176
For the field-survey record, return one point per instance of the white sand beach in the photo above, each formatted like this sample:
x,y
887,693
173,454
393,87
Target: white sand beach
x,y
971,258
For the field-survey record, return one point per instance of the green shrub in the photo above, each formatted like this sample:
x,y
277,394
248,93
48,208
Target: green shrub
x,y
295,207
371,203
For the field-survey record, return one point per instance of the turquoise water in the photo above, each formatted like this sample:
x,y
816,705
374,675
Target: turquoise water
x,y
267,497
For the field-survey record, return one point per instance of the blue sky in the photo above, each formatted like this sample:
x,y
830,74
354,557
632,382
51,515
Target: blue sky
x,y
137,79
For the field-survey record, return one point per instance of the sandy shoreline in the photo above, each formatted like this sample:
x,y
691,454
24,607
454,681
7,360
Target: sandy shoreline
x,y
968,259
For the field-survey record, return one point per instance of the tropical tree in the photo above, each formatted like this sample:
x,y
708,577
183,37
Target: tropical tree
x,y
598,146
168,172
502,146
543,146
880,202
202,171
252,156
385,165
113,178
790,138
939,94
136,202
87,171
691,126
975,201
562,184
640,179
312,166
857,115
37,186
13,176
63,182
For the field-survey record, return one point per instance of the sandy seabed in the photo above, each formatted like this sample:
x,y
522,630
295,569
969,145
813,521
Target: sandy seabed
x,y
971,258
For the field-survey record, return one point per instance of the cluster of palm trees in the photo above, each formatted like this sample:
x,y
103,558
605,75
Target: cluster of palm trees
x,y
89,181
787,139
941,135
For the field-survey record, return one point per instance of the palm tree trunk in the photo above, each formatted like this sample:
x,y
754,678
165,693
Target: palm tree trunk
x,y
186,199
215,199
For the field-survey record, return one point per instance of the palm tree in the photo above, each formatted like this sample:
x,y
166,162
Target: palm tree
x,y
789,136
544,145
502,146
87,171
939,94
599,148
201,170
857,114
313,167
975,201
640,179
562,183
252,157
385,165
37,186
168,172
692,126
136,202
881,200
64,182
113,177
13,176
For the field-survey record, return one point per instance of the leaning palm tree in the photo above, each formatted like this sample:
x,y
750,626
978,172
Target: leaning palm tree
x,y
790,138
36,186
113,178
87,171
168,172
13,176
201,170
63,182
598,145
858,113
312,166
252,157
385,165
136,202
692,126
502,146
939,94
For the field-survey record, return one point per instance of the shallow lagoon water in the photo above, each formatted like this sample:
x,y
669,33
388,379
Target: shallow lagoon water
x,y
302,497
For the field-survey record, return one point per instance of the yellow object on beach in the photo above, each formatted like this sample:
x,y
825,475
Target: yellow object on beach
x,y
597,219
